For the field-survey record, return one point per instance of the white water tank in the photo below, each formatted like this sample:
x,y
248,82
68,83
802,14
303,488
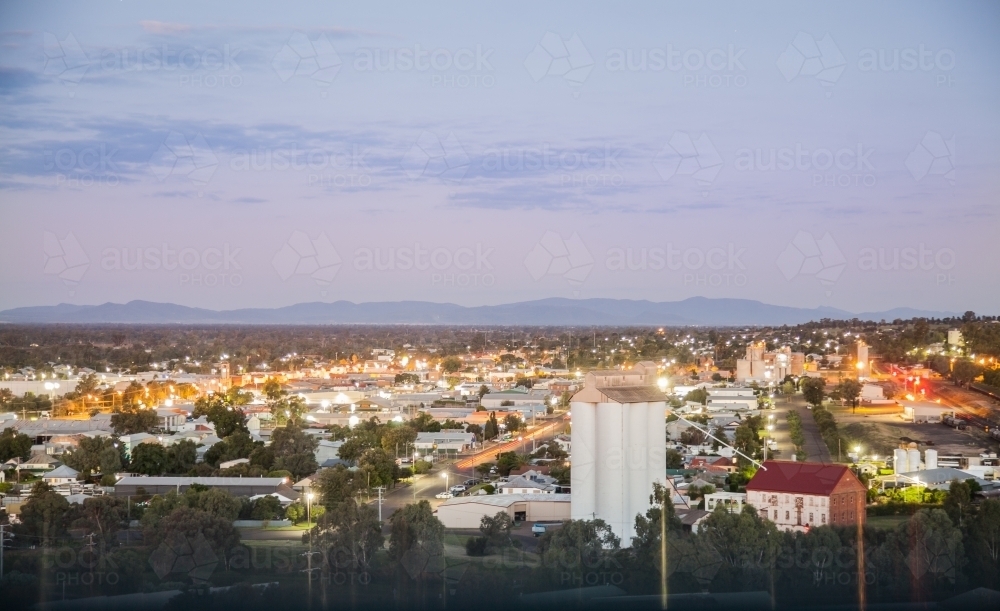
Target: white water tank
x,y
913,458
930,459
899,461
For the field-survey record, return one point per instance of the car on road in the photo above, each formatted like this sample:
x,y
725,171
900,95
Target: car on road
x,y
444,495
540,528
471,482
458,488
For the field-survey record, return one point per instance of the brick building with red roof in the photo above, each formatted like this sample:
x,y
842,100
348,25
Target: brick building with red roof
x,y
799,495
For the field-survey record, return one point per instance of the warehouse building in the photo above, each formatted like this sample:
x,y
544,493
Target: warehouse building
x,y
468,511
237,486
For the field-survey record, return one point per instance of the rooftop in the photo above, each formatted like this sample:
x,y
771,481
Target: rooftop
x,y
799,477
506,500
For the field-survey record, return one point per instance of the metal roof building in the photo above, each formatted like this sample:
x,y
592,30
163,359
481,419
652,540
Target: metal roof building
x,y
237,486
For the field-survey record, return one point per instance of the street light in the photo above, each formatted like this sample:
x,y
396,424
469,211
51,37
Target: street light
x,y
445,476
309,498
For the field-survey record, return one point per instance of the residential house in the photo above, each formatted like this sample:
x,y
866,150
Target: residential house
x,y
530,482
61,475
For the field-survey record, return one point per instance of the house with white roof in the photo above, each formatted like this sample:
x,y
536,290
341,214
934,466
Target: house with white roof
x,y
61,475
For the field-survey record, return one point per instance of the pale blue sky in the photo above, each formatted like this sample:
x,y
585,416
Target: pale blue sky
x,y
254,129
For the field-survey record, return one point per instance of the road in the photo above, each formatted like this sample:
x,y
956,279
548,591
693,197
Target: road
x,y
815,448
489,454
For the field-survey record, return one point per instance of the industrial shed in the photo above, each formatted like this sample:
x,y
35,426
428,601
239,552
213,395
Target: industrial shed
x,y
468,511
237,486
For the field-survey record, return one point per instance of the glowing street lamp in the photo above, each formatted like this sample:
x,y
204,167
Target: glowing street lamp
x,y
309,498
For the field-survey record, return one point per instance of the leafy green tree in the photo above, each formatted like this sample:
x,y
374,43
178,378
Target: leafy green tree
x,y
406,378
698,395
92,454
813,389
352,533
425,423
132,419
299,465
849,390
267,507
273,390
415,525
14,445
396,438
674,459
561,471
746,543
578,545
262,457
452,364
44,514
983,544
958,503
495,538
512,423
191,523
219,410
492,428
237,445
788,389
149,459
508,461
104,516
378,466
337,485
291,439
289,409
964,371
649,527
351,450
181,456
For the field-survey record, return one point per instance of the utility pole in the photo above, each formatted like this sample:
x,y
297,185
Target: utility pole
x,y
380,489
3,545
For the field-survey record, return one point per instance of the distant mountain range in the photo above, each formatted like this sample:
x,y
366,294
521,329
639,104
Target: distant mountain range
x,y
701,311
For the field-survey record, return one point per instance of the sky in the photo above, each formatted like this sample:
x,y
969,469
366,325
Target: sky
x,y
247,154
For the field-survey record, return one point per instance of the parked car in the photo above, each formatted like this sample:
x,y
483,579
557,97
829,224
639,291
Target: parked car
x,y
444,495
539,528
458,488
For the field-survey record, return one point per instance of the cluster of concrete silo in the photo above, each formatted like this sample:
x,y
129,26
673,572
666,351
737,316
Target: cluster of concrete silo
x,y
907,460
619,447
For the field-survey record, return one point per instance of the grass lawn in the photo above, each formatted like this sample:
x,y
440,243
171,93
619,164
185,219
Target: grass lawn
x,y
885,522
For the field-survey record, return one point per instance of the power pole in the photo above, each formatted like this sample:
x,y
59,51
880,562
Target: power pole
x,y
380,489
3,544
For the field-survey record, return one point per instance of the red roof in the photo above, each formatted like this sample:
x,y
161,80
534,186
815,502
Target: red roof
x,y
801,477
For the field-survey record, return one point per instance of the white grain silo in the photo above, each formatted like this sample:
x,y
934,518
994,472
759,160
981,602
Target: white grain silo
x,y
900,462
930,459
913,458
619,446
